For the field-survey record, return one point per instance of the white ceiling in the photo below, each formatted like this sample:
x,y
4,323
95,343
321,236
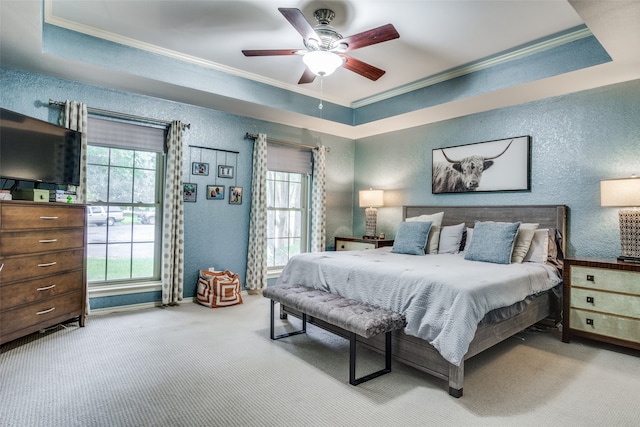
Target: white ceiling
x,y
435,36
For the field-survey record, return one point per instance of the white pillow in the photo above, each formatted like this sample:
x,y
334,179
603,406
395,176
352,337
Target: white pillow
x,y
434,233
450,238
539,249
523,241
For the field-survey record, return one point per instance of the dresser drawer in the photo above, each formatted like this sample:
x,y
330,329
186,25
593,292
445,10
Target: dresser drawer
x,y
606,279
344,245
605,302
607,325
23,217
30,318
29,242
40,289
33,266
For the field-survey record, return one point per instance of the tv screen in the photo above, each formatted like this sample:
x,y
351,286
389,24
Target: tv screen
x,y
38,151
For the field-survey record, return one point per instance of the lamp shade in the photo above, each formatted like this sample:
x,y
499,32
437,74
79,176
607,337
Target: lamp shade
x,y
623,192
371,198
322,63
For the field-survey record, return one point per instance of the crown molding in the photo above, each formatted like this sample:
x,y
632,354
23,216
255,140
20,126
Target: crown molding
x,y
484,64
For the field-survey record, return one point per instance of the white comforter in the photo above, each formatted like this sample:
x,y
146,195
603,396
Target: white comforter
x,y
442,296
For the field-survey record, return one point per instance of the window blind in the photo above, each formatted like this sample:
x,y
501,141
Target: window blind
x,y
114,133
289,159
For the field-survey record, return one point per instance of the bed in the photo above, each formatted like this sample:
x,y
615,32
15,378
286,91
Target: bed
x,y
440,354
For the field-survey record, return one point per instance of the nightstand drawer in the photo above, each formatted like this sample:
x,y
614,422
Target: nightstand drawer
x,y
604,279
604,302
607,325
343,245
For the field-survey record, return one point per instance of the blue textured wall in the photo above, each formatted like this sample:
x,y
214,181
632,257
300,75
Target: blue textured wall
x,y
577,140
216,233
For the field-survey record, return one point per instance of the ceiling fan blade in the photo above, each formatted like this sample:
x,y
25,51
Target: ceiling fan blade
x,y
299,22
271,52
367,38
362,68
307,77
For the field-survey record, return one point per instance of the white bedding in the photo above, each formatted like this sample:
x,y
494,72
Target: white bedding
x,y
442,296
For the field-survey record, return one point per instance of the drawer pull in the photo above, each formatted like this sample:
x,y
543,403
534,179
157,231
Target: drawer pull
x,y
47,241
46,311
47,264
590,278
590,322
590,300
46,288
48,217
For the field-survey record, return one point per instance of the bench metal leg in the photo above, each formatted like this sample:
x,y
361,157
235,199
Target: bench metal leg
x,y
288,334
352,360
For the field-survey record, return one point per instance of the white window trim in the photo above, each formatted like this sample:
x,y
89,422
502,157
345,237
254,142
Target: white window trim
x,y
123,288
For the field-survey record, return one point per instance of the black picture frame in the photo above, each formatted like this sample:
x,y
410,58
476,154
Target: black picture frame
x,y
215,192
189,192
499,165
225,171
235,195
199,168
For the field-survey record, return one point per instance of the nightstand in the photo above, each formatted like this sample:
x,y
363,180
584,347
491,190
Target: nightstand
x,y
601,300
353,243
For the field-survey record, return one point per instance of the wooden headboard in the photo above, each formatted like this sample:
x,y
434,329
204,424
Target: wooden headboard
x,y
548,216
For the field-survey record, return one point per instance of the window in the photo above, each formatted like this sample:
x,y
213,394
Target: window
x,y
288,183
287,216
125,166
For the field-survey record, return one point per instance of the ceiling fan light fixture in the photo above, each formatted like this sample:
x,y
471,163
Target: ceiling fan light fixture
x,y
321,62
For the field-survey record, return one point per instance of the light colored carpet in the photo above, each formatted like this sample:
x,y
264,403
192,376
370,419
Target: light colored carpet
x,y
194,366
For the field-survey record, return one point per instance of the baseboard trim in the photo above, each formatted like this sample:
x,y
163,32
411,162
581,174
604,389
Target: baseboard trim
x,y
144,305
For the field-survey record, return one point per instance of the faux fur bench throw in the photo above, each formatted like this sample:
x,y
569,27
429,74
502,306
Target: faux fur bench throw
x,y
354,316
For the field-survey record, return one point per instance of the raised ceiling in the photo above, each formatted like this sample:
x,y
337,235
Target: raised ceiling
x,y
436,38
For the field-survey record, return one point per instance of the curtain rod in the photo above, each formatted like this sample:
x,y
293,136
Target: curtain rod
x,y
121,115
280,141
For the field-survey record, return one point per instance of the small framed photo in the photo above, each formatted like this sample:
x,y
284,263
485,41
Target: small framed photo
x,y
235,195
225,171
189,192
215,192
199,168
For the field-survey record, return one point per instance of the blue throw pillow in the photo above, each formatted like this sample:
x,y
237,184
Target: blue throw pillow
x,y
492,242
411,238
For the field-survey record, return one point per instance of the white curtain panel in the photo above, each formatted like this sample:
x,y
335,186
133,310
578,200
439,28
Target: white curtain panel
x,y
318,200
73,115
256,279
173,220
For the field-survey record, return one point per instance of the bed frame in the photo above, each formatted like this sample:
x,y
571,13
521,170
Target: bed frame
x,y
420,354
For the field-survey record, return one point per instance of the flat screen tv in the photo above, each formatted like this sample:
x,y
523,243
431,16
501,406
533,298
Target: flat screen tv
x,y
38,151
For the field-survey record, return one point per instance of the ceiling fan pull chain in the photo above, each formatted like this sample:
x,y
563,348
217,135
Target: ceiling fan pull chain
x,y
320,106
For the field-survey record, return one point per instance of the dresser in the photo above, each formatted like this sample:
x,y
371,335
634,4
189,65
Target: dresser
x,y
42,266
353,243
602,301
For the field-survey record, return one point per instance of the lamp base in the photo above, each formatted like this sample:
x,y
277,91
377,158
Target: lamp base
x,y
371,217
630,234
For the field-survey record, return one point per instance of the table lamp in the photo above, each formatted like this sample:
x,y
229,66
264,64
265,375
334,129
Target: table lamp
x,y
625,193
371,199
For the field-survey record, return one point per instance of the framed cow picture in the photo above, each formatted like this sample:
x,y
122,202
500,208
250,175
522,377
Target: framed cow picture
x,y
500,165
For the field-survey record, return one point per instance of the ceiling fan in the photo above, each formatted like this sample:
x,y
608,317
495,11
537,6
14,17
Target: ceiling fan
x,y
326,48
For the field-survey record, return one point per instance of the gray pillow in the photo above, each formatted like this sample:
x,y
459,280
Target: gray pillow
x,y
411,238
492,242
450,238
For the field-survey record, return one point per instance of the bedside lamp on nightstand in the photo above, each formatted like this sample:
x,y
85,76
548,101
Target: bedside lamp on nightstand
x,y
371,199
625,192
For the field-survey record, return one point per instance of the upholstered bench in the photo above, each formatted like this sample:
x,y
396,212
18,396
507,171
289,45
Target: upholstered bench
x,y
355,317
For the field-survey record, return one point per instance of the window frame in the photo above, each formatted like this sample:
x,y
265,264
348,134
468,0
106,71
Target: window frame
x,y
305,194
101,288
